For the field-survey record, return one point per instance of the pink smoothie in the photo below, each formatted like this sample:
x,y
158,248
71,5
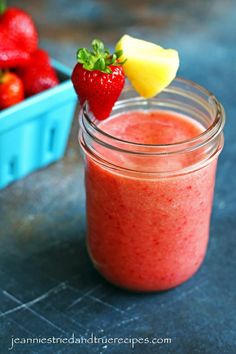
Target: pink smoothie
x,y
148,234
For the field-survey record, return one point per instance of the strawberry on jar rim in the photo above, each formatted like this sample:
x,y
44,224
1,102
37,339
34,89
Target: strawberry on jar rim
x,y
98,78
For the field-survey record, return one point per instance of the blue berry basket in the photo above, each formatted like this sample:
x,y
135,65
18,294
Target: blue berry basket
x,y
34,133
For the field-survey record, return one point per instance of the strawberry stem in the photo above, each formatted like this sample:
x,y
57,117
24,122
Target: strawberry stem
x,y
99,58
3,6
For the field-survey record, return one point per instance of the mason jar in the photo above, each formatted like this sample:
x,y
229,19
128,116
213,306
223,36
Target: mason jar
x,y
149,205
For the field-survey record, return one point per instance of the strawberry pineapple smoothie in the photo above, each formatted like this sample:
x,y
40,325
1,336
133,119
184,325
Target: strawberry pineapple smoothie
x,y
149,234
150,163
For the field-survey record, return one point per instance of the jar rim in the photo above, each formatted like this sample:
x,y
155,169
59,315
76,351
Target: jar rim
x,y
216,126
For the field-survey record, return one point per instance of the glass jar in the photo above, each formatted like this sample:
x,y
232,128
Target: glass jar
x,y
149,206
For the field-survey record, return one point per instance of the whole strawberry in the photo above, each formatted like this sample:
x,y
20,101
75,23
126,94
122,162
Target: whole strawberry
x,y
98,78
38,75
18,37
10,54
11,89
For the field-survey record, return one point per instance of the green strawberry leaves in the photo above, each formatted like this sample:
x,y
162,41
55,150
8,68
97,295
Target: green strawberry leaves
x,y
99,58
3,6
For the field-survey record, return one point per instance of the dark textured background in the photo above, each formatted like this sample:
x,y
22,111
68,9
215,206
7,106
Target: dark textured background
x,y
47,283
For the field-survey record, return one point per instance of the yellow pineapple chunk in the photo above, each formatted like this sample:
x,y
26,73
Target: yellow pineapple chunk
x,y
149,67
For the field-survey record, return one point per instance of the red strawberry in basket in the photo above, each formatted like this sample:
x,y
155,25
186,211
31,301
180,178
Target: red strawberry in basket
x,y
11,89
98,78
38,75
11,55
18,37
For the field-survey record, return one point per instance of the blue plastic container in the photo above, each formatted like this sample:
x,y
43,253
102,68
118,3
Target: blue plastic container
x,y
35,132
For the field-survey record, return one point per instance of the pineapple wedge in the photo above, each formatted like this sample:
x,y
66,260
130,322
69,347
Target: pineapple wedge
x,y
149,67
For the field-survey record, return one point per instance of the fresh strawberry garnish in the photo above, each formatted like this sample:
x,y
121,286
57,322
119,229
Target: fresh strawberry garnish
x,y
11,89
98,78
39,75
18,37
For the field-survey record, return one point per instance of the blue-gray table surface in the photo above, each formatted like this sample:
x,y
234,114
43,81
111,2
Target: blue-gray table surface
x,y
48,286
